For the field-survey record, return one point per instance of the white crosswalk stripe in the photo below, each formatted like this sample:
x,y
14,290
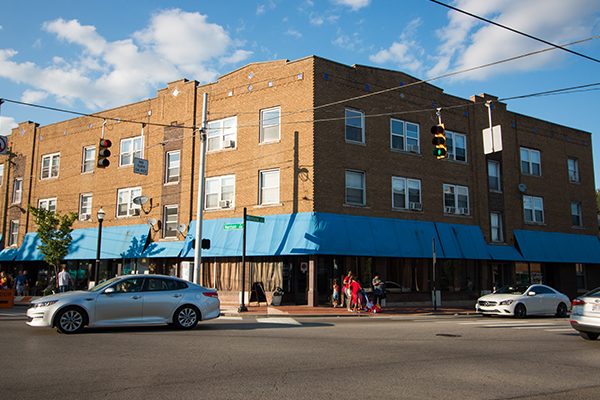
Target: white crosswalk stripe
x,y
271,320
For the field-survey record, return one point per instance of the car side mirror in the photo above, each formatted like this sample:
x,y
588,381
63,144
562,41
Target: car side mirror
x,y
531,294
109,290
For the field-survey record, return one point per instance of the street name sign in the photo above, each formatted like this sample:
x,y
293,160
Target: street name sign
x,y
252,218
229,227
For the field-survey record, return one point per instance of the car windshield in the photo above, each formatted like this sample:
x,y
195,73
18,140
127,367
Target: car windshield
x,y
593,293
104,284
513,289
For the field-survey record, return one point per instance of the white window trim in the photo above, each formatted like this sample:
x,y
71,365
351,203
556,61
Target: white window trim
x,y
17,195
168,167
497,228
45,203
363,188
51,158
362,123
497,164
1,174
573,175
132,152
530,151
220,133
262,189
92,162
456,209
13,233
532,202
404,136
166,224
263,125
83,216
578,204
452,149
219,180
133,210
408,205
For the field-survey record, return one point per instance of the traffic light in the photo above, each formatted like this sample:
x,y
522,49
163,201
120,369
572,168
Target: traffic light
x,y
439,141
104,153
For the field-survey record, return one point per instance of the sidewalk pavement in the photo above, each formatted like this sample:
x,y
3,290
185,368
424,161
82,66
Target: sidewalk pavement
x,y
328,311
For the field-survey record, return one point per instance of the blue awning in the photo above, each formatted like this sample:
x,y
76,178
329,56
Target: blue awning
x,y
117,242
504,253
163,249
558,247
464,242
8,254
318,233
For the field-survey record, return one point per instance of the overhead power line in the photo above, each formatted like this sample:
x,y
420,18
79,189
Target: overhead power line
x,y
515,31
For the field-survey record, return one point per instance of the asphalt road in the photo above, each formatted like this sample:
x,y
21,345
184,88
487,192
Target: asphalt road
x,y
441,357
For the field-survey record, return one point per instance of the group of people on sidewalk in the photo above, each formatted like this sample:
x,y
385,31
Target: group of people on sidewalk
x,y
21,283
354,297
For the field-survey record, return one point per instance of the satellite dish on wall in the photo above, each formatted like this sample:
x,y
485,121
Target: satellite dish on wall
x,y
181,228
140,200
151,222
522,188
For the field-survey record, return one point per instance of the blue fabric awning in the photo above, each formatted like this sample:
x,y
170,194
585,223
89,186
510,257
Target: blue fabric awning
x,y
504,253
464,242
318,233
163,249
117,242
8,254
558,247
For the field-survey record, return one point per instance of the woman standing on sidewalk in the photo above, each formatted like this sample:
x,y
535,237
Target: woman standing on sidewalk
x,y
347,291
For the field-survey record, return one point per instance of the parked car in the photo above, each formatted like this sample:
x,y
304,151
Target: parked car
x,y
522,300
127,300
585,317
390,287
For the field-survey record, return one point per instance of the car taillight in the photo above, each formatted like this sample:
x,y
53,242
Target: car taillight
x,y
578,302
211,294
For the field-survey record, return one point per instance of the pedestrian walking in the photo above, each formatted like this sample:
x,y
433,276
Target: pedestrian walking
x,y
20,282
63,280
378,289
336,293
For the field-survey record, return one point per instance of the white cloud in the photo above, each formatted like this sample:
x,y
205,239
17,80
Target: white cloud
x,y
405,53
7,124
174,45
293,32
355,5
467,42
315,19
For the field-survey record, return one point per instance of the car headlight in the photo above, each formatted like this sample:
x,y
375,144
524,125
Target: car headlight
x,y
506,302
44,303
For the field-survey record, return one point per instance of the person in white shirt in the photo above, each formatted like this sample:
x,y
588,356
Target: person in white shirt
x,y
63,280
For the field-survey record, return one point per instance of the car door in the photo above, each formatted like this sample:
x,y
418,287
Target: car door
x,y
161,297
548,300
120,303
534,301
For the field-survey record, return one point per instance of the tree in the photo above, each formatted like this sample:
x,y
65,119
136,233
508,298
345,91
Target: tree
x,y
54,232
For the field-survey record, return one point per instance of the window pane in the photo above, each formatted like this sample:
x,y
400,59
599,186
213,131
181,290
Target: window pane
x,y
414,191
399,194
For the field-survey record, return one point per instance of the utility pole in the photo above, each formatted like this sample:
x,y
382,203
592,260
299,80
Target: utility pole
x,y
200,208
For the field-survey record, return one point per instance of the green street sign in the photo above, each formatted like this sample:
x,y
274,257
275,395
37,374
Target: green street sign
x,y
229,227
252,218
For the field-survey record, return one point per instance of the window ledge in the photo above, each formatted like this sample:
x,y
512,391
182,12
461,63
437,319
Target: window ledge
x,y
269,205
407,152
269,142
355,142
357,206
406,210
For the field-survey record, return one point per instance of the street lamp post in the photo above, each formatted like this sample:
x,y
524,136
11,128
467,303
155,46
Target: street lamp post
x,y
101,214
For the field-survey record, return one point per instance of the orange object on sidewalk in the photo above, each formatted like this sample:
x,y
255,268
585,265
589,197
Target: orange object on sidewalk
x,y
7,298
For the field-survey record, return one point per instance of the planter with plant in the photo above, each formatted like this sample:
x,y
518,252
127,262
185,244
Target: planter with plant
x,y
277,295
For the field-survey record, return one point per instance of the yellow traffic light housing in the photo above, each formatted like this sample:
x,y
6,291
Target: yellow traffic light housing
x,y
439,141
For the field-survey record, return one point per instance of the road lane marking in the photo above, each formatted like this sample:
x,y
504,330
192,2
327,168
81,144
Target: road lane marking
x,y
286,321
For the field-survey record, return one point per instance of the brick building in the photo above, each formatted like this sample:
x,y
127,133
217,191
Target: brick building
x,y
338,160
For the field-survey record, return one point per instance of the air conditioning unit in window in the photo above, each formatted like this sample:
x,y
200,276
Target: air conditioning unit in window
x,y
449,210
228,144
463,211
415,206
413,148
85,217
224,203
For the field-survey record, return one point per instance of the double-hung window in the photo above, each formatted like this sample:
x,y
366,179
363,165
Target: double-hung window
x,y
125,205
85,206
172,166
406,194
530,162
13,233
50,165
222,134
48,204
496,224
17,190
89,159
270,125
170,222
220,192
576,214
1,174
533,208
131,148
269,187
494,175
355,188
355,125
405,135
573,170
456,143
456,199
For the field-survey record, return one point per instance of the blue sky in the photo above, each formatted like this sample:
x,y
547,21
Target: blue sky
x,y
87,56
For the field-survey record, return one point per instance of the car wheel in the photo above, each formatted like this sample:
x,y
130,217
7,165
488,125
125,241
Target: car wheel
x,y
589,335
561,311
186,317
70,320
520,311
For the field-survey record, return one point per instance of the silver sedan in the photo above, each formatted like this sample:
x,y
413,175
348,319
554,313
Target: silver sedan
x,y
585,317
127,300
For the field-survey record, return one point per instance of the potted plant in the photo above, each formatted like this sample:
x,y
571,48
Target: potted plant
x,y
277,295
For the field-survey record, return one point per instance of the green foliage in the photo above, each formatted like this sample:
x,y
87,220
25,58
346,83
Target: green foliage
x,y
54,232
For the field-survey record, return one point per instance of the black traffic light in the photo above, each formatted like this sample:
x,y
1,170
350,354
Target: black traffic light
x,y
439,141
104,153
205,244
